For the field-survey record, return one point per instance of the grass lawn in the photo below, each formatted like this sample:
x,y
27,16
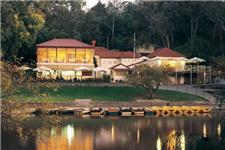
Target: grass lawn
x,y
69,93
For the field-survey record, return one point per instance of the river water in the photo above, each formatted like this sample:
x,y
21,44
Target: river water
x,y
115,133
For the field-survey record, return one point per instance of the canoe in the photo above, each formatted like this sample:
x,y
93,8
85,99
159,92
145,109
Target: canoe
x,y
149,111
125,111
86,111
138,111
96,111
114,111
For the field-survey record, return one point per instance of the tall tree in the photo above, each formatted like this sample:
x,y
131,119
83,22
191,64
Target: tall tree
x,y
21,22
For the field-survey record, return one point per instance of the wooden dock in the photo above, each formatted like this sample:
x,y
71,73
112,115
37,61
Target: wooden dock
x,y
128,111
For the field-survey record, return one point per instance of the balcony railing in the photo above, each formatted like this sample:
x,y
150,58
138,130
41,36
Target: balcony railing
x,y
195,68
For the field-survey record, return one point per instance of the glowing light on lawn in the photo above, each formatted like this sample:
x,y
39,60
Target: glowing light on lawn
x,y
158,144
70,133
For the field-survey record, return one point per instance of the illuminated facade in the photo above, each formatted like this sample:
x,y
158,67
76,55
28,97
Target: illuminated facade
x,y
168,57
64,57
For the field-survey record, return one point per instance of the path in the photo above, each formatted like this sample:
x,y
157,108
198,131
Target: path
x,y
191,90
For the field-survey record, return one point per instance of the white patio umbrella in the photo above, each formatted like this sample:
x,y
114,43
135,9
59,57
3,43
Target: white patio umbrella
x,y
42,68
99,69
24,68
82,69
195,60
143,58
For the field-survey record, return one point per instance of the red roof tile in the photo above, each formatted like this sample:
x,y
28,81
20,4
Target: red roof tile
x,y
105,53
64,43
165,52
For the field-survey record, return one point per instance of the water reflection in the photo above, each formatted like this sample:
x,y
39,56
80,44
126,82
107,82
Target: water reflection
x,y
204,131
158,144
118,134
219,130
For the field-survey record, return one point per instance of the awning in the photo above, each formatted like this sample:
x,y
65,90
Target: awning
x,y
24,68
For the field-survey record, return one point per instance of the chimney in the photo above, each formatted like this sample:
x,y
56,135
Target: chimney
x,y
93,43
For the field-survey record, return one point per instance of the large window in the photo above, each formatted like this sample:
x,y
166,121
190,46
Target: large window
x,y
42,55
51,55
89,55
80,56
61,55
71,55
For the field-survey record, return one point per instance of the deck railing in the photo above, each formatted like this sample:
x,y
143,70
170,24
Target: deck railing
x,y
195,68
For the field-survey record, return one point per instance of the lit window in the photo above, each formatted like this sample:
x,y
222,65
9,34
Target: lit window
x,y
42,55
51,57
89,55
61,55
71,55
80,56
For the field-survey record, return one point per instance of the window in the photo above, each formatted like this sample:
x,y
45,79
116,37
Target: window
x,y
80,56
71,55
61,55
42,55
89,55
51,55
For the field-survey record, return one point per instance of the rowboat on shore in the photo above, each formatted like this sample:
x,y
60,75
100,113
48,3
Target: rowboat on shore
x,y
125,111
96,111
86,111
113,111
149,111
138,111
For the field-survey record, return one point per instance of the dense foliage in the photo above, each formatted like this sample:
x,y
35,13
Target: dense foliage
x,y
193,28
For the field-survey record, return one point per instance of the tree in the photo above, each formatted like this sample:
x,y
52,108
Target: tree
x,y
13,111
21,22
219,66
149,77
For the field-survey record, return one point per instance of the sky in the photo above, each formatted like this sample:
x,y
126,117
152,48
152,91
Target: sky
x,y
91,3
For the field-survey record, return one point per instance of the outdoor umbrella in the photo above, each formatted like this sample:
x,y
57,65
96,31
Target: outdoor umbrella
x,y
24,68
195,60
99,69
143,58
42,68
82,69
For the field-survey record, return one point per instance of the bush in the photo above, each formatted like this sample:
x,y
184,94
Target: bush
x,y
106,78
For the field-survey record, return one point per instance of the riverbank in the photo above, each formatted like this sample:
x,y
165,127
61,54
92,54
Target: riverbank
x,y
101,93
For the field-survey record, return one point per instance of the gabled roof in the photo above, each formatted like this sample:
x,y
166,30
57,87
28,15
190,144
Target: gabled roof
x,y
119,67
105,53
165,52
64,43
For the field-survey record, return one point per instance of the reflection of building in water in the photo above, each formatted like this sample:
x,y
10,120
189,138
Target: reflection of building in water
x,y
67,139
204,131
175,141
138,136
219,130
171,140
